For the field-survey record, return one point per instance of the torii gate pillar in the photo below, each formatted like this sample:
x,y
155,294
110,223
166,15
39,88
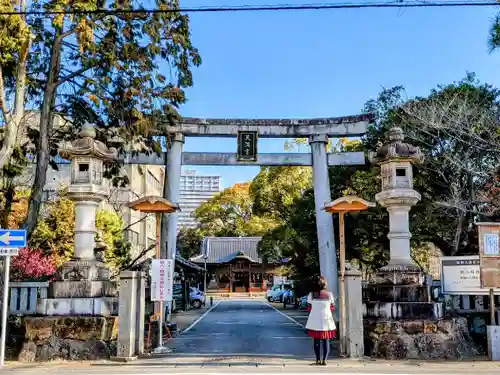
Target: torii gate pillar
x,y
324,221
172,191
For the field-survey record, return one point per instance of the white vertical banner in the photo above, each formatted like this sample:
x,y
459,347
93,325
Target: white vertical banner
x,y
162,279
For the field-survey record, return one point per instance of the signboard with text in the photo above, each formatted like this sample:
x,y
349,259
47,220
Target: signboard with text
x,y
461,275
9,251
489,254
247,146
162,279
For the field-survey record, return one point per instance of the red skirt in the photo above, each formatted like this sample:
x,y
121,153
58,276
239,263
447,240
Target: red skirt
x,y
322,335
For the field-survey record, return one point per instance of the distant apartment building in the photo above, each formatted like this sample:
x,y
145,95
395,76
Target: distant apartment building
x,y
195,189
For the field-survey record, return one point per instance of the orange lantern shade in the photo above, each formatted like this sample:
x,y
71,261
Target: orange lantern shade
x,y
154,204
348,204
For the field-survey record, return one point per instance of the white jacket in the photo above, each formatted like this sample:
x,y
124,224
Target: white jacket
x,y
320,317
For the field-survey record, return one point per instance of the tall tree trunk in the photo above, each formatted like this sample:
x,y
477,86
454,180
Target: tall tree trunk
x,y
43,147
13,130
458,231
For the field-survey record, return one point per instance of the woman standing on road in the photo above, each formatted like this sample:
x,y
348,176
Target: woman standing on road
x,y
320,324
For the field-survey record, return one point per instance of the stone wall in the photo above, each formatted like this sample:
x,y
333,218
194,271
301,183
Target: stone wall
x,y
418,339
15,337
67,338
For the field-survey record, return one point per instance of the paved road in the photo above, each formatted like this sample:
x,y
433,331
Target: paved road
x,y
250,328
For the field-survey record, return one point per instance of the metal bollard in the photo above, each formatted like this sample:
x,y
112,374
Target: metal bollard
x,y
211,300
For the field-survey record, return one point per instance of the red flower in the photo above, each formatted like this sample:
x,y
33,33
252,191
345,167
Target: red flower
x,y
32,265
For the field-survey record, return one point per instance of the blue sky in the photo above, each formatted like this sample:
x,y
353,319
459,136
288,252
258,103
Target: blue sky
x,y
296,64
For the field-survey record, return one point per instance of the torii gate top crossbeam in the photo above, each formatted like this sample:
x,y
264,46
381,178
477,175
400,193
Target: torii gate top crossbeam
x,y
348,126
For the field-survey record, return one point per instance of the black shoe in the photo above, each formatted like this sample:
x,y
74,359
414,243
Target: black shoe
x,y
318,362
323,363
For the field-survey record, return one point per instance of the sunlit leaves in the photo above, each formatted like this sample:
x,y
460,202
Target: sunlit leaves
x,y
13,32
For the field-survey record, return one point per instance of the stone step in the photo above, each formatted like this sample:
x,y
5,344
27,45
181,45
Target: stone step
x,y
103,306
403,310
238,295
82,289
396,293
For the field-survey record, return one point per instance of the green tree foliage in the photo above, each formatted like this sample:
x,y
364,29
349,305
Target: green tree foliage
x,y
189,242
230,214
494,34
456,128
111,225
55,233
250,209
91,67
275,190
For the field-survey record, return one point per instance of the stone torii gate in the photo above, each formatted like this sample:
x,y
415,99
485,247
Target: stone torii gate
x,y
318,132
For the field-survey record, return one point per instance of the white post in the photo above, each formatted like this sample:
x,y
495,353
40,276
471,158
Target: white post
x,y
205,281
324,220
5,309
172,192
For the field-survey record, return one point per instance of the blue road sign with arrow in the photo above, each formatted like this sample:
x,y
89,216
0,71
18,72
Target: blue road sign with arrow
x,y
13,238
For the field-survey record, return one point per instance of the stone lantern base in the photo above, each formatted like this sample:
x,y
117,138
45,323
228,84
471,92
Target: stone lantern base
x,y
403,320
79,318
82,287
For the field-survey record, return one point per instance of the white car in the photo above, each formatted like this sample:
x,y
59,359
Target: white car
x,y
275,293
196,297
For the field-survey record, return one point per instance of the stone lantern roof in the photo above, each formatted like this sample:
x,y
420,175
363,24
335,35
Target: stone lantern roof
x,y
87,145
397,148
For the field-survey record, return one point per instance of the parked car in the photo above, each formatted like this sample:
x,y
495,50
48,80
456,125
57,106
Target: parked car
x,y
275,293
196,297
303,303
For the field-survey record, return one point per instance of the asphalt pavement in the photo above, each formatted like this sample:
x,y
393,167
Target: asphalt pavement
x,y
244,328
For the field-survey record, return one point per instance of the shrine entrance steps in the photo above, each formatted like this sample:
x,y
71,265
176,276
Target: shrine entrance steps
x,y
223,294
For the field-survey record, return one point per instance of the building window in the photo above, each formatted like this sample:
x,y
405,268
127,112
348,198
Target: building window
x,y
151,242
133,237
153,181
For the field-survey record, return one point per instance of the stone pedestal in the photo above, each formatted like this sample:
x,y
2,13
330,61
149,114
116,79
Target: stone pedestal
x,y
68,338
493,337
82,287
131,310
354,313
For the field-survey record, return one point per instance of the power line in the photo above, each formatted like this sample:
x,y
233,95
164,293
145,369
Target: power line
x,y
274,7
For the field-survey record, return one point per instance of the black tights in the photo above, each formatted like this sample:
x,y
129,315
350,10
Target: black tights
x,y
326,348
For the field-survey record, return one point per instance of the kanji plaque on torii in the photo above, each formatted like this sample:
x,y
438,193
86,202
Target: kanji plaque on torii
x,y
247,146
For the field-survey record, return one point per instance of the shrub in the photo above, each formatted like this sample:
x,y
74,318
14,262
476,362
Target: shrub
x,y
33,265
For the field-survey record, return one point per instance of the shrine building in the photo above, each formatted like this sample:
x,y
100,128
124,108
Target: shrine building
x,y
234,265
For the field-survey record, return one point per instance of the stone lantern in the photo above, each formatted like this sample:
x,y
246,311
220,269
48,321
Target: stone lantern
x,y
87,186
82,285
397,196
399,313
